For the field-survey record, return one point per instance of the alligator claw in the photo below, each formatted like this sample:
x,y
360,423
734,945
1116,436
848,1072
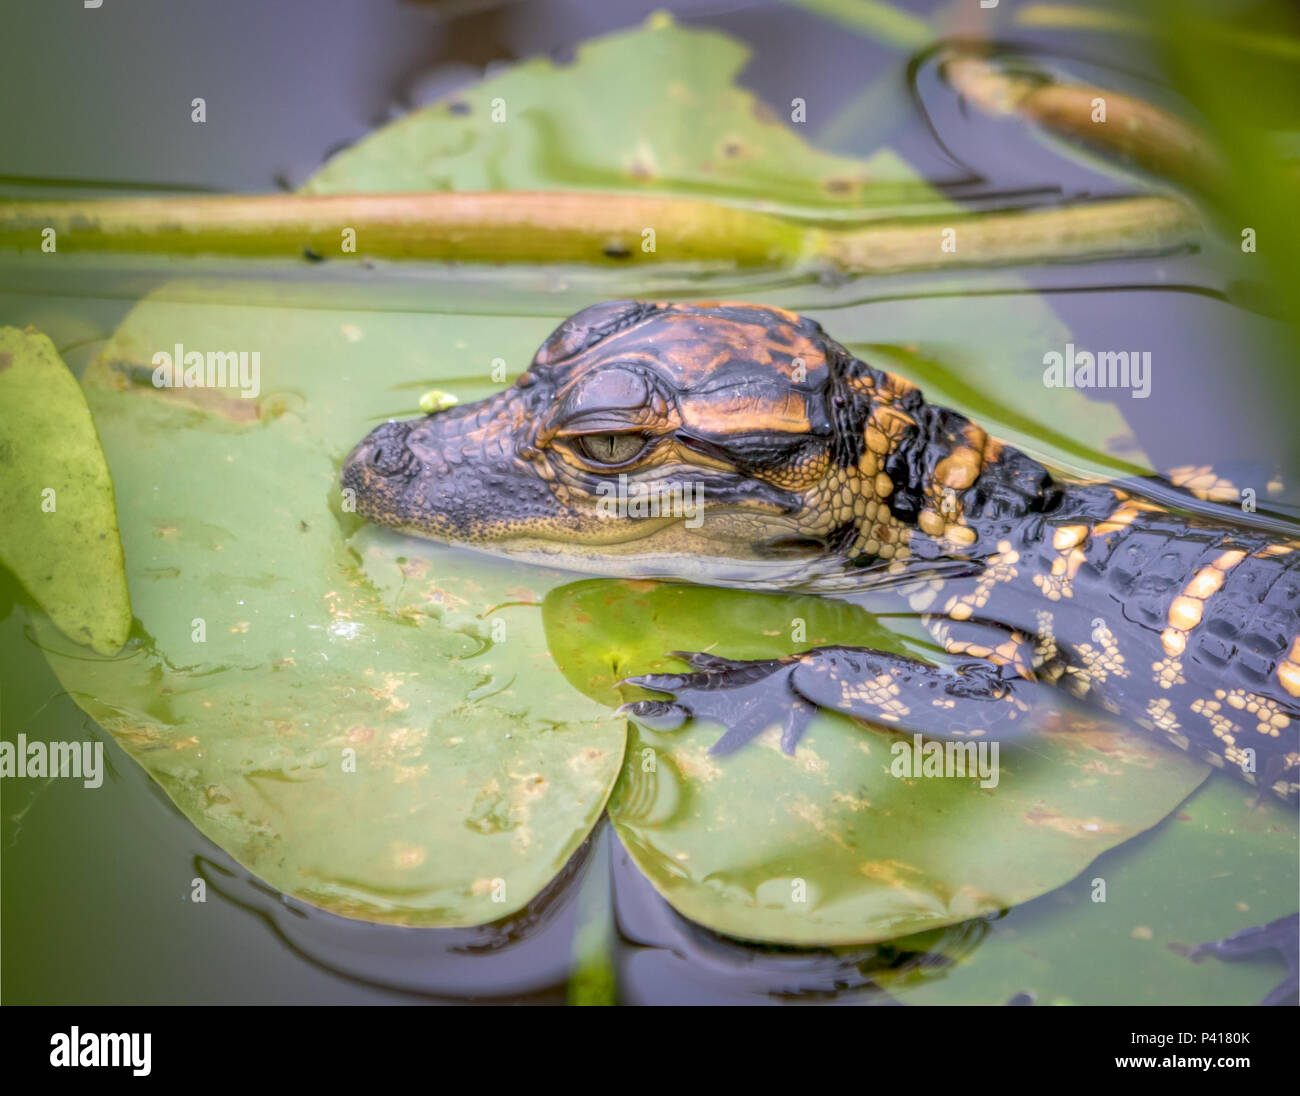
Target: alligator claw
x,y
702,660
658,715
662,683
746,697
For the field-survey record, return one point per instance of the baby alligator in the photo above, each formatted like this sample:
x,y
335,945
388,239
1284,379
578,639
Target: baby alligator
x,y
810,468
814,470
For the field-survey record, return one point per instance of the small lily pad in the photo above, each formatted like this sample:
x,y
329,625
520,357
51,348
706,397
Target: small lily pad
x,y
829,847
58,521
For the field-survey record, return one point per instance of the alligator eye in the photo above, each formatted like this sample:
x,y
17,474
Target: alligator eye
x,y
610,448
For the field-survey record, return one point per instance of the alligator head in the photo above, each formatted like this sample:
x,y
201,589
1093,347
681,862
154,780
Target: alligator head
x,y
727,443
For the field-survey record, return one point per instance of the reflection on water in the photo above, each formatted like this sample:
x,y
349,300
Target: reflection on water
x,y
659,956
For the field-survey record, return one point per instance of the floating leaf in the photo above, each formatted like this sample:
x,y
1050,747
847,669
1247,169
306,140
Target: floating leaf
x,y
58,524
1221,863
399,753
660,110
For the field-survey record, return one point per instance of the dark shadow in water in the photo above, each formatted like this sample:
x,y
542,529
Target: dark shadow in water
x,y
523,958
665,959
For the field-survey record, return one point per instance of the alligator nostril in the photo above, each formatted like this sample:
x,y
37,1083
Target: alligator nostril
x,y
391,460
389,454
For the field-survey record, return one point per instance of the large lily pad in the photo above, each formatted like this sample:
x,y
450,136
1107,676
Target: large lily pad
x,y
659,110
830,847
402,763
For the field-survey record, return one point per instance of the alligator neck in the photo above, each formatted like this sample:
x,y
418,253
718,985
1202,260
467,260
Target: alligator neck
x,y
946,471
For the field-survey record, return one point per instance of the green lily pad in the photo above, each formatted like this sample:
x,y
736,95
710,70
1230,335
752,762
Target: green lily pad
x,y
414,761
660,110
1223,862
829,847
58,523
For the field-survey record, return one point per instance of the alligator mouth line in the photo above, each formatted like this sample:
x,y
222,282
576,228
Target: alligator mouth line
x,y
793,547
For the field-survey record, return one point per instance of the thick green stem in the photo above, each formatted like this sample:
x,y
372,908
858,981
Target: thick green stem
x,y
586,228
470,227
1069,233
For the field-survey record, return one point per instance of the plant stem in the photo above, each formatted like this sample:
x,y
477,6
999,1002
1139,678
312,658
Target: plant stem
x,y
1067,233
610,229
1106,121
481,226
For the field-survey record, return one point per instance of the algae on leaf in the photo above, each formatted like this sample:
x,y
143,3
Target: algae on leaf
x,y
58,522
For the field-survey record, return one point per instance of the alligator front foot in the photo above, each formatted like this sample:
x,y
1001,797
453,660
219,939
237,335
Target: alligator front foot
x,y
745,697
885,690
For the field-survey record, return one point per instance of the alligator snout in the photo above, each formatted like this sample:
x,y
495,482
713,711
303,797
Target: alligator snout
x,y
384,450
379,469
454,476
